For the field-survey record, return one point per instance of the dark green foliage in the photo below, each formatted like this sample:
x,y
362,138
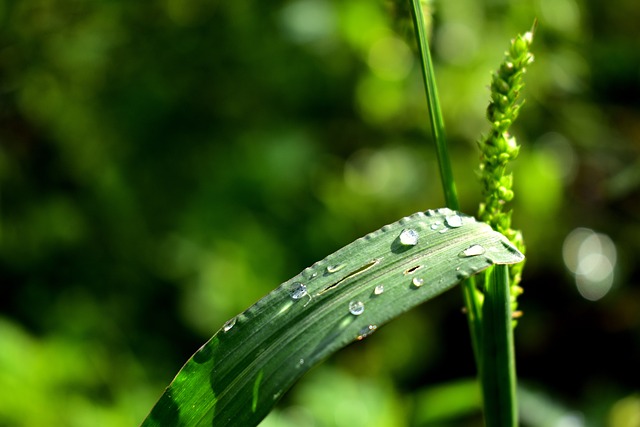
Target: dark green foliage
x,y
129,131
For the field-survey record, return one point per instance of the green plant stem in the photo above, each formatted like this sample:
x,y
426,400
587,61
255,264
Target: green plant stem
x,y
498,357
470,294
435,113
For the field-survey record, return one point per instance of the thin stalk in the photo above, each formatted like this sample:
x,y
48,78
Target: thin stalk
x,y
498,148
472,303
498,358
435,113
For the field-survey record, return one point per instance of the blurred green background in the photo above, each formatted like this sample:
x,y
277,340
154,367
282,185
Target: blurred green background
x,y
164,164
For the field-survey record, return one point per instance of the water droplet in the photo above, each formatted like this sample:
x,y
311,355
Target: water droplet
x,y
309,273
474,250
297,290
435,225
229,324
453,221
356,308
378,290
417,281
366,331
444,211
301,362
334,268
409,237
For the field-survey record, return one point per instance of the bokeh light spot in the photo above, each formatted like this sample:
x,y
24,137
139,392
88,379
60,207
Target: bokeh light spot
x,y
379,100
456,43
307,21
591,257
557,149
382,173
562,15
390,58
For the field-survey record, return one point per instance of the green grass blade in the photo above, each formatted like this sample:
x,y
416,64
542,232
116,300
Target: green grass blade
x,y
435,113
238,376
499,371
469,291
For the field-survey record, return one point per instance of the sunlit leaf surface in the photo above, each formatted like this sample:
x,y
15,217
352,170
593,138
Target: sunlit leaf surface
x,y
239,375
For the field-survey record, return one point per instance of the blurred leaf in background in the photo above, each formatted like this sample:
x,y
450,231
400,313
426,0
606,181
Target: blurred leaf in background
x,y
164,164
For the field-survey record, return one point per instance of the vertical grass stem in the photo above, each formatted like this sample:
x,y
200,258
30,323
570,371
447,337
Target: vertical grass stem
x,y
498,358
435,114
472,303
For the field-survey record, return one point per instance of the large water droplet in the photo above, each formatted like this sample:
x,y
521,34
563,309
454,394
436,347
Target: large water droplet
x,y
229,324
334,268
366,331
417,281
297,290
356,308
378,290
473,250
444,211
409,237
453,221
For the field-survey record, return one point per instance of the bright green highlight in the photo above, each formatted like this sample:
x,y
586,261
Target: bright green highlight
x,y
256,391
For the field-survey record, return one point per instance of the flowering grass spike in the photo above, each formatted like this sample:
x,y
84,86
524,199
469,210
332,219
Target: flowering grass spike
x,y
498,148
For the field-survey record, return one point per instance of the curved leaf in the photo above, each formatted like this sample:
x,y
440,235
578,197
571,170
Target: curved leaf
x,y
240,374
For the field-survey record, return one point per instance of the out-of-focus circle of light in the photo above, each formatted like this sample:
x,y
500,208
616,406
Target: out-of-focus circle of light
x,y
456,43
591,257
307,21
558,149
390,58
382,173
572,419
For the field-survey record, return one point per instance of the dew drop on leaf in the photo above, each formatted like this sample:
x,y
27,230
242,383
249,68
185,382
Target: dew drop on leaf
x,y
366,331
453,221
297,290
378,290
409,237
417,281
473,250
229,324
334,268
356,308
